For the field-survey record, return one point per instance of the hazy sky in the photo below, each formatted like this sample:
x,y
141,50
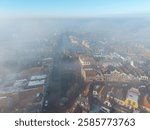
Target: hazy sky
x,y
72,8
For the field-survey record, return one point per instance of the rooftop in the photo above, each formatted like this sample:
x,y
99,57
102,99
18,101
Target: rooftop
x,y
133,94
20,83
36,83
38,77
86,58
90,73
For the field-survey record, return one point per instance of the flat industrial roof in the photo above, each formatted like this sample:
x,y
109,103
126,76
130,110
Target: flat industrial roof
x,y
36,82
38,77
21,82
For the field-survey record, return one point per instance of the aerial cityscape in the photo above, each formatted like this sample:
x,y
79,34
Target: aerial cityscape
x,y
75,65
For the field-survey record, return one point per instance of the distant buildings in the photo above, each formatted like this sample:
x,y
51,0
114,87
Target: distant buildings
x,y
120,74
85,43
116,76
73,39
86,60
144,78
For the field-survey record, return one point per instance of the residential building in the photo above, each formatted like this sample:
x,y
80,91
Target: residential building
x,y
88,75
116,76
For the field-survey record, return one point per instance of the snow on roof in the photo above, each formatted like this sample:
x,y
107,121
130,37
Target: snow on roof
x,y
38,77
36,83
4,97
21,82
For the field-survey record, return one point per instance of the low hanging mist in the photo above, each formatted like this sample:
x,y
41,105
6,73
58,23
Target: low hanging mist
x,y
23,41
